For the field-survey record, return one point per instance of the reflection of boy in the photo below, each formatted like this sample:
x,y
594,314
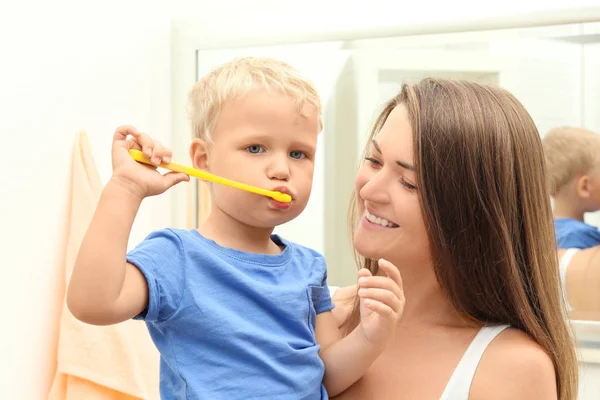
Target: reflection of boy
x,y
573,168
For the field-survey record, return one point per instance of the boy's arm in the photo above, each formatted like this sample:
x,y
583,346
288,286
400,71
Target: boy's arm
x,y
105,289
348,358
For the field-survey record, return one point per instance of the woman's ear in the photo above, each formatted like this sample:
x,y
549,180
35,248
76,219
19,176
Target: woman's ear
x,y
199,154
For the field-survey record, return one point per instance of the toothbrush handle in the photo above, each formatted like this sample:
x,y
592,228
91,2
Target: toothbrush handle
x,y
206,176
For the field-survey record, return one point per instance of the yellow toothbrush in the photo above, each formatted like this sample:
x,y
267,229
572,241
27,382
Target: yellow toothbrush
x,y
206,176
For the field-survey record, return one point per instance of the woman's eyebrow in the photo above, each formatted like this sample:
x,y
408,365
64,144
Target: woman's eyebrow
x,y
376,146
403,164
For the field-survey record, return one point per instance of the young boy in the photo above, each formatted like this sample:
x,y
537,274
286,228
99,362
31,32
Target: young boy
x,y
235,311
573,167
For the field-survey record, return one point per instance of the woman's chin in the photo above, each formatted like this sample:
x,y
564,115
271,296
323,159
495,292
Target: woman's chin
x,y
366,248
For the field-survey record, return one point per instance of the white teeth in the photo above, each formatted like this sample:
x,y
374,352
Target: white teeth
x,y
379,221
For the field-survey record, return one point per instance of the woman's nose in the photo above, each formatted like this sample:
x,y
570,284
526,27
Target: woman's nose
x,y
375,189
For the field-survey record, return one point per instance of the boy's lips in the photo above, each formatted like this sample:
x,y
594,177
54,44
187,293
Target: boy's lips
x,y
278,204
285,190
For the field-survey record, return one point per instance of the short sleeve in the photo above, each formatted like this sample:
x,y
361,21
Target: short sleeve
x,y
323,303
578,240
570,240
161,259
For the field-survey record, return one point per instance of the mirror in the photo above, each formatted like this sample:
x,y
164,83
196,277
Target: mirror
x,y
554,71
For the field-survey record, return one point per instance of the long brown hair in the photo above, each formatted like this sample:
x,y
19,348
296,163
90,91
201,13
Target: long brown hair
x,y
481,177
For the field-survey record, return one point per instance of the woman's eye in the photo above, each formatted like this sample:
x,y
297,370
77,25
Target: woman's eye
x,y
374,162
407,184
255,149
297,155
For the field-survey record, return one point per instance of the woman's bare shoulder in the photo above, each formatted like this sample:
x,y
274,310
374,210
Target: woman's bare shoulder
x,y
514,366
591,254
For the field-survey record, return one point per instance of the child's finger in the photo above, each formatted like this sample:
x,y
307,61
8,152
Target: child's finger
x,y
383,296
391,271
158,152
161,153
364,273
382,282
147,144
123,131
132,144
173,178
380,308
167,154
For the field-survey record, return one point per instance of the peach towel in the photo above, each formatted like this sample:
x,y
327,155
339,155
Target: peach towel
x,y
117,362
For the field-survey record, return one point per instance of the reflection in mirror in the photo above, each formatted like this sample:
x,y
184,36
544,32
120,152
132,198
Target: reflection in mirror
x,y
554,71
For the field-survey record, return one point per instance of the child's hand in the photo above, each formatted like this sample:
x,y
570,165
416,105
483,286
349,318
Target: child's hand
x,y
381,302
141,179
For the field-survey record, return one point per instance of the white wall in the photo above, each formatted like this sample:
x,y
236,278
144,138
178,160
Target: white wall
x,y
547,80
589,381
66,66
591,111
63,70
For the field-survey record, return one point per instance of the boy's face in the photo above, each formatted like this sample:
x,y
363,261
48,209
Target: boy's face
x,y
589,190
261,140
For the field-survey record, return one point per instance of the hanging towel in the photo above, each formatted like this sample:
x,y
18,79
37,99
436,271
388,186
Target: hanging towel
x,y
117,362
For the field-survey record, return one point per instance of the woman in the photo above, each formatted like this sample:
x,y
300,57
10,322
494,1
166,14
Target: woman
x,y
452,191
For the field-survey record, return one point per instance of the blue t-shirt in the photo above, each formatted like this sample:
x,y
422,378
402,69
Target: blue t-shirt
x,y
230,324
571,233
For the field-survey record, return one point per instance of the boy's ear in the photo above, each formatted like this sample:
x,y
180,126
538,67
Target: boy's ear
x,y
199,154
583,186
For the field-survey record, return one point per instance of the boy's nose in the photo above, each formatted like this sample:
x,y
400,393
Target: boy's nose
x,y
279,169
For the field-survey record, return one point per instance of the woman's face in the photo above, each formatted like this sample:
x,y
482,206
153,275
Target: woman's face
x,y
391,222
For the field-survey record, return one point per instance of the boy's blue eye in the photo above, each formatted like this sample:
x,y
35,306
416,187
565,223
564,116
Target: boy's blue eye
x,y
297,155
255,149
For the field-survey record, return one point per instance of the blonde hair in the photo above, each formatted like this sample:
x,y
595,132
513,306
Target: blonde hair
x,y
240,77
569,152
480,171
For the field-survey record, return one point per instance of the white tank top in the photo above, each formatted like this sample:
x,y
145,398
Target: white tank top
x,y
459,384
562,265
